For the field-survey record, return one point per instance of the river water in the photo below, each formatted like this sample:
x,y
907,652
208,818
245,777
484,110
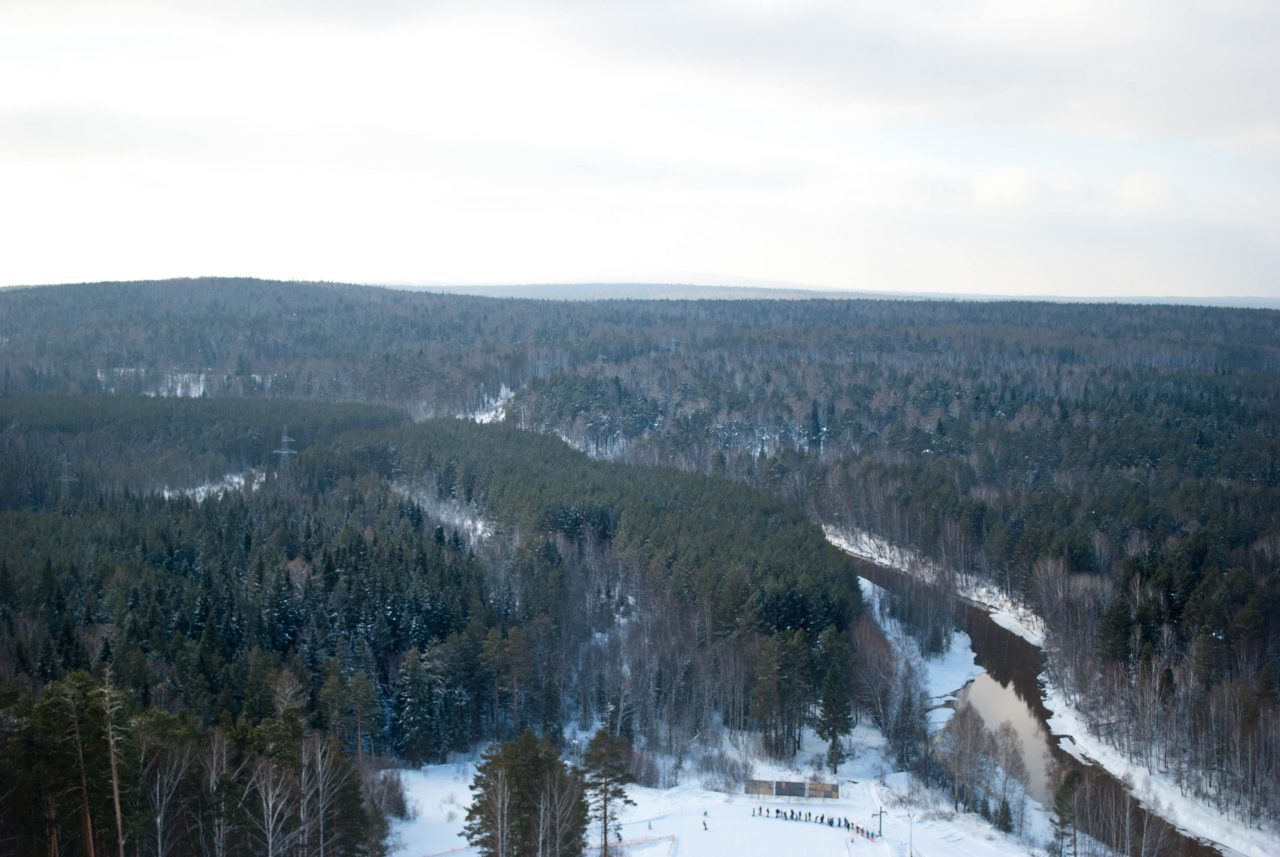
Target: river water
x,y
1010,691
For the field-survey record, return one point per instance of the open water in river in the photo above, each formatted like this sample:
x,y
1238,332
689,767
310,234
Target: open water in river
x,y
1010,690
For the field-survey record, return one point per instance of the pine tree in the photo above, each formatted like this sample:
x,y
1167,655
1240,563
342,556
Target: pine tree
x,y
364,705
815,428
69,717
1114,633
607,762
492,818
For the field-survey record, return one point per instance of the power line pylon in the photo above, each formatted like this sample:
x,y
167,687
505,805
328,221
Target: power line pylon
x,y
285,450
65,480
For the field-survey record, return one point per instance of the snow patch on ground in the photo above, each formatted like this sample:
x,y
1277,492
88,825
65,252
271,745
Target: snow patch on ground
x,y
1156,791
450,513
182,385
438,796
250,479
493,410
109,378
1004,611
611,448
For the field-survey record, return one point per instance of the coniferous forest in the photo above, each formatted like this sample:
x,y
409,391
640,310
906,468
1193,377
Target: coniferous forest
x,y
211,670
213,639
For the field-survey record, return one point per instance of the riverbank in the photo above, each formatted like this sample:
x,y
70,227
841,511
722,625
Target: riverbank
x,y
1155,791
1003,610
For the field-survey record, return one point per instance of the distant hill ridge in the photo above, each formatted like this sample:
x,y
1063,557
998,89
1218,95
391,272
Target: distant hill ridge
x,y
691,291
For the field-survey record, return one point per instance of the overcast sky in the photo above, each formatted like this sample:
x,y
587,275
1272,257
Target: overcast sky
x,y
1023,147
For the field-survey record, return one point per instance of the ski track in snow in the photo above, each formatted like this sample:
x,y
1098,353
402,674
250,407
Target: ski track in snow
x,y
1156,791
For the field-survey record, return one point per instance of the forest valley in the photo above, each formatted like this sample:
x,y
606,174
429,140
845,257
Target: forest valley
x,y
227,673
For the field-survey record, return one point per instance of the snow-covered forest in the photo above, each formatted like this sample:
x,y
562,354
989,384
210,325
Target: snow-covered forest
x,y
216,638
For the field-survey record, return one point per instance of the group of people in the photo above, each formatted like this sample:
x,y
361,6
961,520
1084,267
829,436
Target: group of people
x,y
821,818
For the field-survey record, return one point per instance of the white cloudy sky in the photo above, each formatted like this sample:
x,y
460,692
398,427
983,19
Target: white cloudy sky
x,y
1022,147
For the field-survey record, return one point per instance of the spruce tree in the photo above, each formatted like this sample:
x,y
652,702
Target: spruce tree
x,y
1064,809
364,707
526,802
1004,816
835,707
411,730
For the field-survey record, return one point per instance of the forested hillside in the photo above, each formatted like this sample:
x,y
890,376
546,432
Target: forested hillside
x,y
218,670
1118,467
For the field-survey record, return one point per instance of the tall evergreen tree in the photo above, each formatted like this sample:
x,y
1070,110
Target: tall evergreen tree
x,y
412,727
1064,812
835,706
607,762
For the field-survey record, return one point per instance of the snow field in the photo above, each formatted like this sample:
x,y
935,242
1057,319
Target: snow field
x,y
670,821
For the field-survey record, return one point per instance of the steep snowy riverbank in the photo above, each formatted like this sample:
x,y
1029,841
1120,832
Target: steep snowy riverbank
x,y
1156,791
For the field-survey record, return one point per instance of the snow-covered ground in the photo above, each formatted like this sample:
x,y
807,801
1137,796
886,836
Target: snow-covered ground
x,y
493,410
182,385
250,479
451,513
670,821
943,676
